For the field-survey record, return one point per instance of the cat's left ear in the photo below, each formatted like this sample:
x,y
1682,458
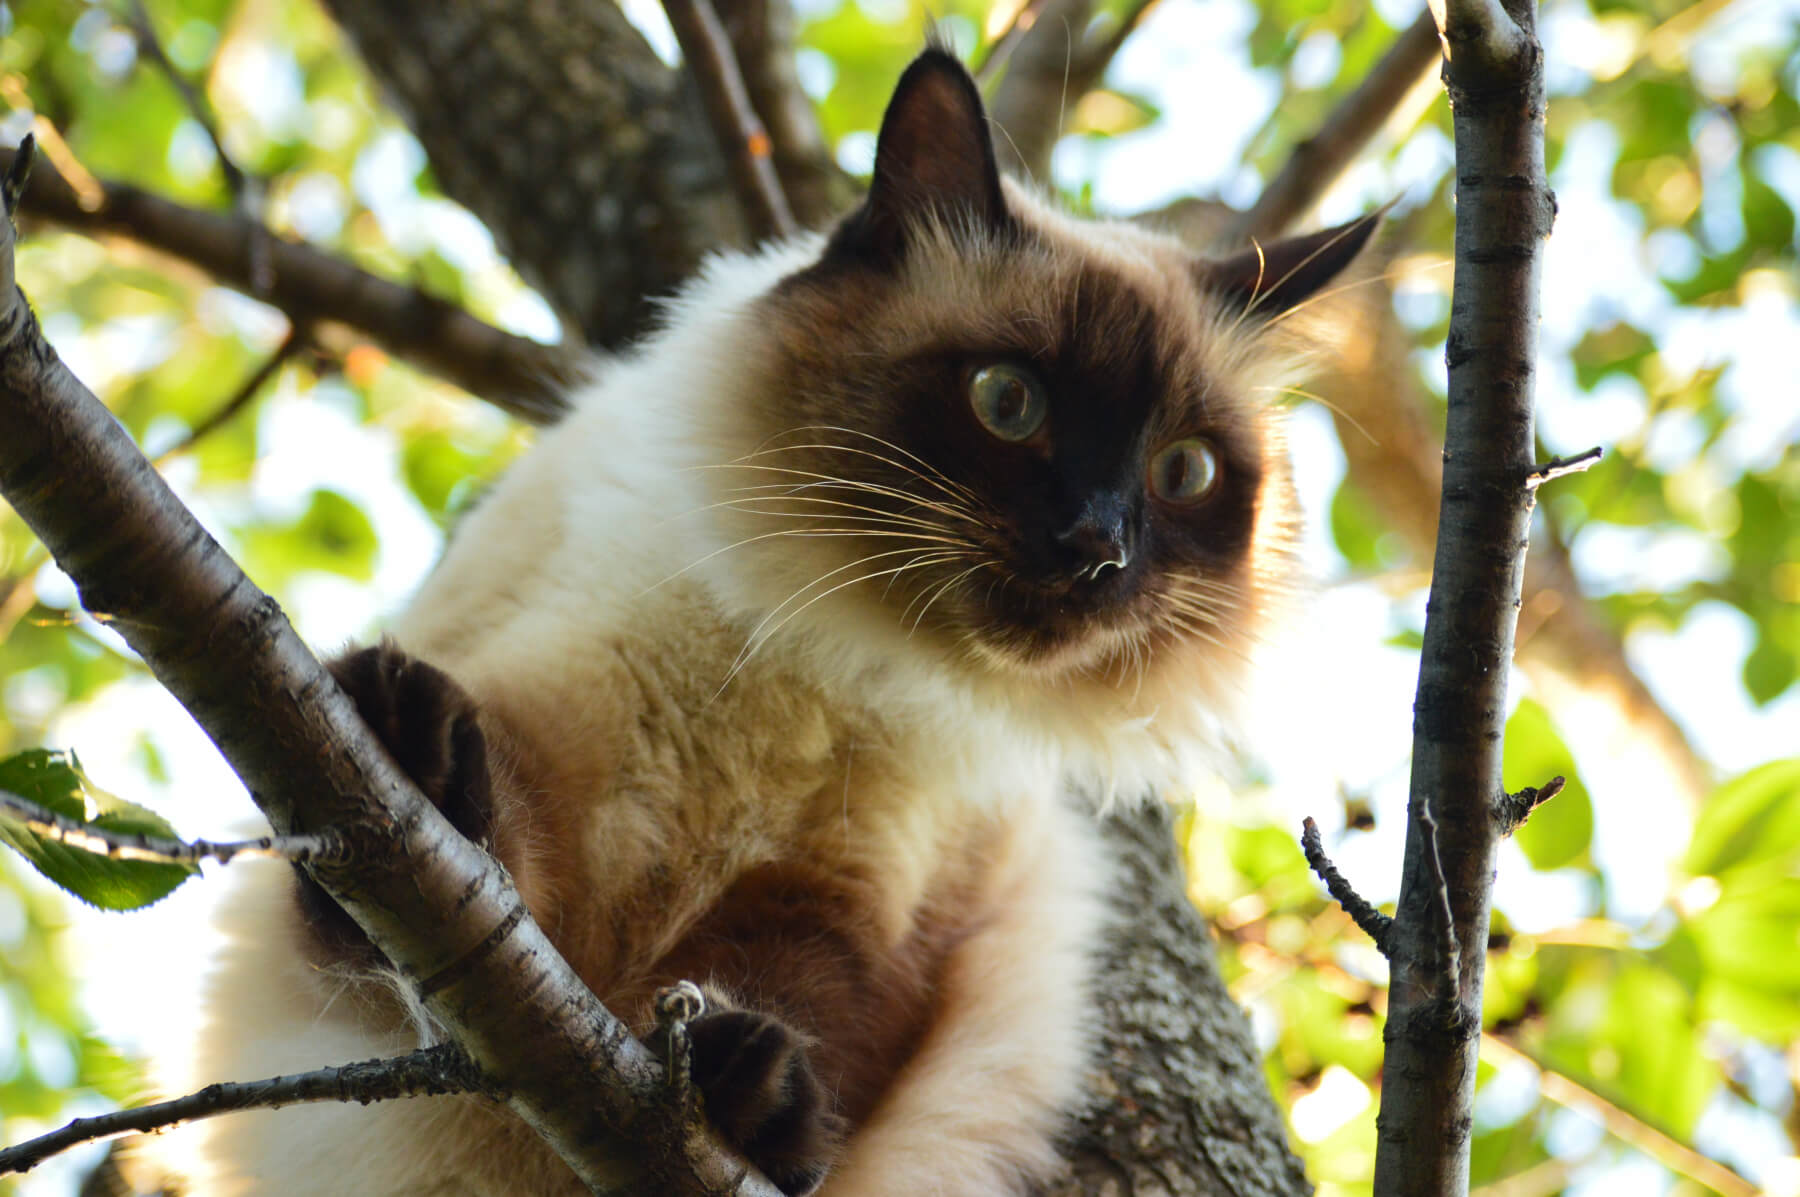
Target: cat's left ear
x,y
934,160
1266,280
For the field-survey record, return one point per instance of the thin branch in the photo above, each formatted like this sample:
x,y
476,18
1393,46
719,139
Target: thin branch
x,y
1511,811
1321,159
742,138
301,849
1033,97
429,1072
246,189
151,47
763,35
1558,467
1664,1148
995,54
523,377
444,912
1373,922
1098,54
298,336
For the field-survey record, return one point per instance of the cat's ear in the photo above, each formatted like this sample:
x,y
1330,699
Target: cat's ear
x,y
1266,280
934,160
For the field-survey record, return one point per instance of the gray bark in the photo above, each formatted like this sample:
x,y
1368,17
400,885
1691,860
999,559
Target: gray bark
x,y
555,123
1437,946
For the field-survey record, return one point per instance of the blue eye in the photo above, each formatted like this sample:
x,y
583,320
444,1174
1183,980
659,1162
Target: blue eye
x,y
1008,402
1184,472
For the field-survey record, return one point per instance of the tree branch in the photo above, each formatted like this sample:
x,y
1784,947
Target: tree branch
x,y
555,123
1511,811
296,340
742,139
1504,211
1672,1153
301,849
1180,1103
523,377
1375,924
442,910
1029,105
762,34
428,1072
1321,159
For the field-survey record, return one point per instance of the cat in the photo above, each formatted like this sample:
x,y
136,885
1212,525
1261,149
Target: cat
x,y
775,664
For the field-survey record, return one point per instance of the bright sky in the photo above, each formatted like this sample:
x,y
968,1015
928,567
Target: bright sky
x,y
1347,723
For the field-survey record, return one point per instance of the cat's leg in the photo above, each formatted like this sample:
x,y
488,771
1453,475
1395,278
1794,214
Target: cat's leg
x,y
430,726
978,1107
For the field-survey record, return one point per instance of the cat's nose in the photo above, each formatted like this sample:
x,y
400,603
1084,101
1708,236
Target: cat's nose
x,y
1099,537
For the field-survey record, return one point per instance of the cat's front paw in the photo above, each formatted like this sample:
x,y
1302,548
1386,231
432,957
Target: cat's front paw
x,y
762,1095
429,726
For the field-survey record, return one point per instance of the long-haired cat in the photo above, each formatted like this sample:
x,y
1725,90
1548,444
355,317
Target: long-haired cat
x,y
772,665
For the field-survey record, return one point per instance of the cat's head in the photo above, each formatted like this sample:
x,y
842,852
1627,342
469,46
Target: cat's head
x,y
1042,447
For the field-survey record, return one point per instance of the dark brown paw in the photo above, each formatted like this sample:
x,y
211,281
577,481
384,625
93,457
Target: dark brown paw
x,y
429,725
762,1094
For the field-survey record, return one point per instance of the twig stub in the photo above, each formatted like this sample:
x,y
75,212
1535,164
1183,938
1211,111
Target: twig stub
x,y
1556,467
17,174
1511,810
1374,923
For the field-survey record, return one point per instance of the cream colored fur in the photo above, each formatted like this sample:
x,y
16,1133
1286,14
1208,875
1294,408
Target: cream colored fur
x,y
598,605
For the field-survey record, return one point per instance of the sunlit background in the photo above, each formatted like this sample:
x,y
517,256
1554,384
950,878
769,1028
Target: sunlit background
x,y
1645,984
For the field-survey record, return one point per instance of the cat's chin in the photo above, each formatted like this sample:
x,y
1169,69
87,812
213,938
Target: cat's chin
x,y
1047,656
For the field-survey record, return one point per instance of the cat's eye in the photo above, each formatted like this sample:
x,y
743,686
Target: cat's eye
x,y
1009,402
1185,471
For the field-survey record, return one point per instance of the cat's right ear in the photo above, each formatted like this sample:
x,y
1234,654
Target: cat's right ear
x,y
934,161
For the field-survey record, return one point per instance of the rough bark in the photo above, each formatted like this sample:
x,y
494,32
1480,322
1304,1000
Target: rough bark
x,y
555,123
1179,1094
1438,941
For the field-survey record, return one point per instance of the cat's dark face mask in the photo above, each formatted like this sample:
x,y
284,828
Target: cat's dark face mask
x,y
1030,438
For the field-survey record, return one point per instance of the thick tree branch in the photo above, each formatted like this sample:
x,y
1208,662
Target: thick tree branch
x,y
301,849
429,1072
443,911
558,127
1180,1103
1504,211
521,376
742,139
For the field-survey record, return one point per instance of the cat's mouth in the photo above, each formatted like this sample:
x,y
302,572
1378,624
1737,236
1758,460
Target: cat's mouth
x,y
1059,624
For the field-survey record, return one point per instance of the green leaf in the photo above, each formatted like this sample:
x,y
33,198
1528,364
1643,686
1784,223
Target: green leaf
x,y
1559,831
1750,822
54,780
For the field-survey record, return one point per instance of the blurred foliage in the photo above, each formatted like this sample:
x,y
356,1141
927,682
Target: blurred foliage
x,y
1674,140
